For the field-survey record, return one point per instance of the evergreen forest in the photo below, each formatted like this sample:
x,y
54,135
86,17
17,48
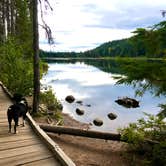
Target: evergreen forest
x,y
146,42
16,45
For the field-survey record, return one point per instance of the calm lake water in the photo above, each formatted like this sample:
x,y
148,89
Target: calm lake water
x,y
97,88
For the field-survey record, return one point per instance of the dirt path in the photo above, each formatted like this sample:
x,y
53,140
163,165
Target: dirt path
x,y
92,152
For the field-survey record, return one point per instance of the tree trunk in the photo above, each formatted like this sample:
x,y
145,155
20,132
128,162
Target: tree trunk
x,y
36,58
81,132
3,19
12,17
8,16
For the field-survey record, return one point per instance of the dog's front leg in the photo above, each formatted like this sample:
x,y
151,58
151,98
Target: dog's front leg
x,y
23,123
23,120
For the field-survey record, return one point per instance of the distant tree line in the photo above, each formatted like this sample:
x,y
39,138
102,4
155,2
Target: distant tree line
x,y
148,42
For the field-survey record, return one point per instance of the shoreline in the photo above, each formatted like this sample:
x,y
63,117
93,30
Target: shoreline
x,y
67,120
71,122
91,151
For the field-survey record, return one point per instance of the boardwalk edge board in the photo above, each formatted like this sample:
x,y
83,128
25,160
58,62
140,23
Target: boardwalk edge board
x,y
58,152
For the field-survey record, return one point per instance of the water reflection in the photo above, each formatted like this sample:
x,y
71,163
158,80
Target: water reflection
x,y
94,83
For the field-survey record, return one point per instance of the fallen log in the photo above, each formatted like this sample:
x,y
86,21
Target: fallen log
x,y
80,132
87,133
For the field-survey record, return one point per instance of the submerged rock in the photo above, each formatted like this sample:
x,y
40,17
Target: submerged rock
x,y
88,105
79,112
70,99
112,116
98,122
79,102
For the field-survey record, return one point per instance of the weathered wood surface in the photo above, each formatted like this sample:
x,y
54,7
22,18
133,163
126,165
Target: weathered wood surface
x,y
80,132
24,148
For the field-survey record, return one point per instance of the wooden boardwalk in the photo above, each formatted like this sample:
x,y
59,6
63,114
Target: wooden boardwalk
x,y
24,148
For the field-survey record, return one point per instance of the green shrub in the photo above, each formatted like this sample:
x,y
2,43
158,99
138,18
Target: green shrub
x,y
159,154
48,98
148,136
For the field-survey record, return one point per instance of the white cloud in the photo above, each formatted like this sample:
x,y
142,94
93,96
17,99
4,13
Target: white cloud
x,y
78,25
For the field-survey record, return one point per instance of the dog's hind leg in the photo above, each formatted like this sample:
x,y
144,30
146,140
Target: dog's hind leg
x,y
10,125
9,121
15,125
9,117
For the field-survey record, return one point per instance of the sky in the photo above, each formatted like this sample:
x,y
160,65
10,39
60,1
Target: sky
x,y
80,25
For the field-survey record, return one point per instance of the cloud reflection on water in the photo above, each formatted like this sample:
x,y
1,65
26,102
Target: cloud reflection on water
x,y
97,88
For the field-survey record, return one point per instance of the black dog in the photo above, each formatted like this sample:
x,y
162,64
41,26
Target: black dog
x,y
18,109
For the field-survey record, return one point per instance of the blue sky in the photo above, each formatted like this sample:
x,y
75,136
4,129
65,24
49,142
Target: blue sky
x,y
79,25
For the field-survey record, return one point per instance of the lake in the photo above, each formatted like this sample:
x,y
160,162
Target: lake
x,y
93,82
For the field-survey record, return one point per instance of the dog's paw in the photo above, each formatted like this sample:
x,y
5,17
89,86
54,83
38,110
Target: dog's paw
x,y
16,132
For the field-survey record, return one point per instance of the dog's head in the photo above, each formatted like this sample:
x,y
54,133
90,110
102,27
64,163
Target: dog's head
x,y
17,97
24,101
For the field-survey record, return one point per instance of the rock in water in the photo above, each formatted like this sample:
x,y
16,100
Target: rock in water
x,y
98,122
112,116
70,99
79,112
128,102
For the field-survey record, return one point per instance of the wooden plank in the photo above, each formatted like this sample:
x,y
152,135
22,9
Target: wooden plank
x,y
20,132
19,143
22,150
60,155
3,112
44,162
5,133
3,117
15,137
25,158
3,126
19,128
3,120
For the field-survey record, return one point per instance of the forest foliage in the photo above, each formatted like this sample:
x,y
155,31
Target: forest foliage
x,y
16,45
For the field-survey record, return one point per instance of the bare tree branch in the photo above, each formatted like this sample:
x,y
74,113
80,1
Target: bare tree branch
x,y
45,26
